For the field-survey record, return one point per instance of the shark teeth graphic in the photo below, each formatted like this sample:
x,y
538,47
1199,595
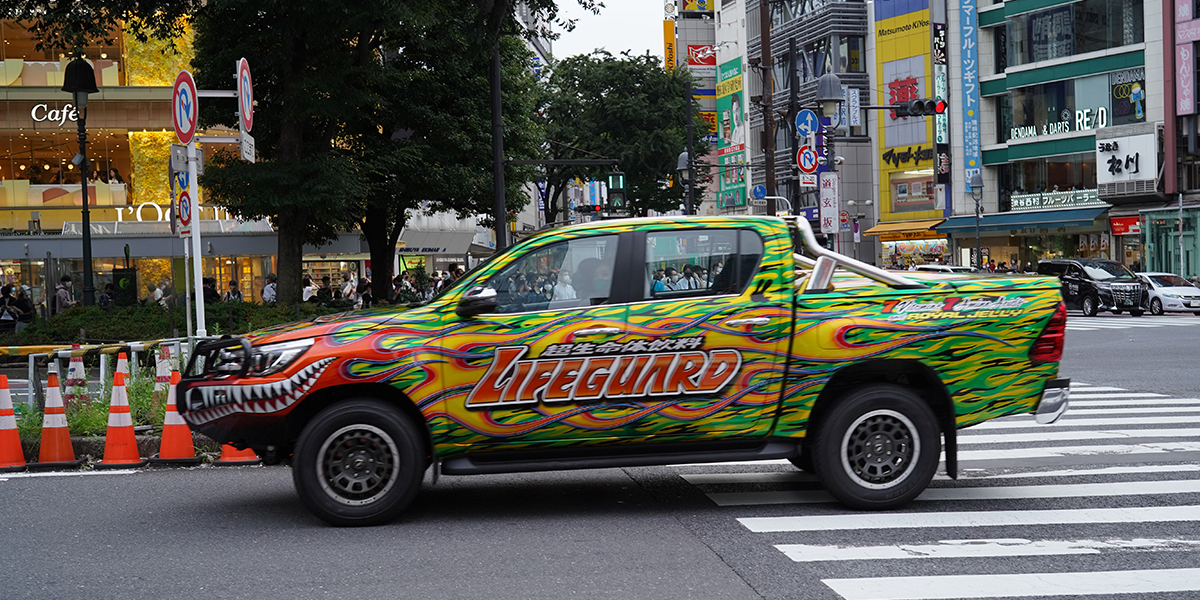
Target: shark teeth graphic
x,y
213,402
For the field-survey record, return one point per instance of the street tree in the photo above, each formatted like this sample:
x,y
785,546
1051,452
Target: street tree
x,y
625,107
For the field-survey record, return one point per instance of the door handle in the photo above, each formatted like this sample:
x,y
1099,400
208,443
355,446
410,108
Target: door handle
x,y
599,331
753,321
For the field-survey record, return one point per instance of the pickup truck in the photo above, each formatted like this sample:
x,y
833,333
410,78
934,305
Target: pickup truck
x,y
661,341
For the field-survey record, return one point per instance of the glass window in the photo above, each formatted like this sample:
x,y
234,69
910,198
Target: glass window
x,y
1072,29
1000,47
700,262
563,275
850,52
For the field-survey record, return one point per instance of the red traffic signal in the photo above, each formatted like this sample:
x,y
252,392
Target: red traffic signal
x,y
921,108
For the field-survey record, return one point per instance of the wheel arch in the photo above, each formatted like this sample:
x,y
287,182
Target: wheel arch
x,y
912,374
319,400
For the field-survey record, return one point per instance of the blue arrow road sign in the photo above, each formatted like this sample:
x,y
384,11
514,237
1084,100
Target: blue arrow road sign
x,y
806,122
759,191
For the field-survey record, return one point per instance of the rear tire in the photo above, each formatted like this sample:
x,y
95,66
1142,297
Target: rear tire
x,y
878,448
1090,305
359,462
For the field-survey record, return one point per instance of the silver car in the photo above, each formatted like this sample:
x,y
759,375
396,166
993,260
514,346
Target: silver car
x,y
1171,293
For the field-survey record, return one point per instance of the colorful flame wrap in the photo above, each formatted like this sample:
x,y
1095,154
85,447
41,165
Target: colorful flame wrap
x,y
684,369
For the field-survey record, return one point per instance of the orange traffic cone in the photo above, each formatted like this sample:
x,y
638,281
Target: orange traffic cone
x,y
56,451
120,445
76,379
12,457
177,447
123,365
233,456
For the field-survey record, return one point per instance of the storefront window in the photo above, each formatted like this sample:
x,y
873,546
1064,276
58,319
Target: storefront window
x,y
912,191
1076,28
1072,172
1087,103
25,65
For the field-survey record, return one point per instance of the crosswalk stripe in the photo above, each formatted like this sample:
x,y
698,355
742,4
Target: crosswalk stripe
x,y
1116,395
1098,451
985,518
799,477
1077,387
1062,436
1147,581
976,549
1088,411
1014,492
1024,421
1134,402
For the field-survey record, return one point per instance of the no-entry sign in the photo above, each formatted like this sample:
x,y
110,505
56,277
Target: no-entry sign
x,y
245,93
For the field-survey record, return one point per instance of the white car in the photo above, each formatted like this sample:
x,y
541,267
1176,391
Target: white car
x,y
945,268
1171,293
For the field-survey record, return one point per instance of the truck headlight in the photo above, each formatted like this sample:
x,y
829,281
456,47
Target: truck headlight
x,y
273,358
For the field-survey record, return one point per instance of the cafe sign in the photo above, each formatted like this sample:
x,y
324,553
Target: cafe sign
x,y
42,113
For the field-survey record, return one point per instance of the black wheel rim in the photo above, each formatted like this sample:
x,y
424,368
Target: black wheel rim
x,y
358,464
880,448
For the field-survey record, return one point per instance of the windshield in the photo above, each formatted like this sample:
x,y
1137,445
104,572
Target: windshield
x,y
1169,281
1104,271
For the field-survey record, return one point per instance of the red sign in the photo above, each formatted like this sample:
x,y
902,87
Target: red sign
x,y
1126,225
245,90
702,55
901,90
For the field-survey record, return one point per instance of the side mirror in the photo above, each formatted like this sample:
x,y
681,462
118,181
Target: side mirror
x,y
477,301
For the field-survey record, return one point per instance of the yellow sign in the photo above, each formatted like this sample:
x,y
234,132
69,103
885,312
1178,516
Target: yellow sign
x,y
897,236
669,44
729,86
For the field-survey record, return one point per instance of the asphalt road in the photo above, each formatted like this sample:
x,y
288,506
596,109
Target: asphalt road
x,y
1114,502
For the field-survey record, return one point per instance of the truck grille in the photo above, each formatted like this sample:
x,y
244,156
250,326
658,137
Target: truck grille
x,y
1127,294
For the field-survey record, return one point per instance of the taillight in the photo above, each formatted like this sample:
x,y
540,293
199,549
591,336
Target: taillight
x,y
1049,346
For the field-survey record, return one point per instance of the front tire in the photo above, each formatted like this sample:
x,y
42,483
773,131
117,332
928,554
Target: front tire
x,y
1156,307
878,448
1089,306
1137,313
358,462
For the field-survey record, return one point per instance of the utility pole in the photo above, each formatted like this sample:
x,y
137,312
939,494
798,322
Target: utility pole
x,y
499,212
793,110
764,20
691,152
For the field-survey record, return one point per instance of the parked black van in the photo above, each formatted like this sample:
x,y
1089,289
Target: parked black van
x,y
1093,284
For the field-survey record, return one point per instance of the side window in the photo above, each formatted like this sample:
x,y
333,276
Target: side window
x,y
566,274
700,262
1050,269
1075,271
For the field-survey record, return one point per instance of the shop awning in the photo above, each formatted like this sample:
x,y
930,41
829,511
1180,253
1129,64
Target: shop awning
x,y
904,227
1042,219
435,242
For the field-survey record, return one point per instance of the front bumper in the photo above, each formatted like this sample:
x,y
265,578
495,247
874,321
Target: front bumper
x,y
1054,400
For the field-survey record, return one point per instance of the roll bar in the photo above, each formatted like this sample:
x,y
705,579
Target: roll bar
x,y
827,260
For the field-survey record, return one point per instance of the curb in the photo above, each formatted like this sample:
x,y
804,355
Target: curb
x,y
93,446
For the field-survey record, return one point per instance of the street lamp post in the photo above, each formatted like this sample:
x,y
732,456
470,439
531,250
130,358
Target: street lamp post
x,y
853,204
80,80
977,193
691,175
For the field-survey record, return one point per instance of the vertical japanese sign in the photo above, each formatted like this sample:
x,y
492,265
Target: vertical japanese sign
x,y
830,202
1185,79
972,158
669,44
731,135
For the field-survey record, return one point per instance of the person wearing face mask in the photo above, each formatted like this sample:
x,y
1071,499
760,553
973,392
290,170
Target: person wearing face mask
x,y
671,281
563,289
64,298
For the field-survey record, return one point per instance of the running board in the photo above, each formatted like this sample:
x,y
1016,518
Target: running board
x,y
629,456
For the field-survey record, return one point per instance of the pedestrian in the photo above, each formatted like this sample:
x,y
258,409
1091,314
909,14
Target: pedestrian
x,y
108,297
234,294
10,315
114,176
63,297
563,289
210,290
25,305
268,293
348,286
364,293
309,291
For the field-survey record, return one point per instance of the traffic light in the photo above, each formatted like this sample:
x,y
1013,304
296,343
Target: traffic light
x,y
616,190
921,108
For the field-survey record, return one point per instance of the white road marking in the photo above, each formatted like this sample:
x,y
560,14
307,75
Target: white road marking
x,y
1014,492
1131,410
1074,435
976,549
1022,421
1085,388
1147,581
798,477
1084,396
985,518
1097,451
31,475
1075,402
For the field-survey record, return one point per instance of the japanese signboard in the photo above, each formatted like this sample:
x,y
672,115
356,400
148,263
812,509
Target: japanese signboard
x,y
830,202
968,40
1129,158
731,135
